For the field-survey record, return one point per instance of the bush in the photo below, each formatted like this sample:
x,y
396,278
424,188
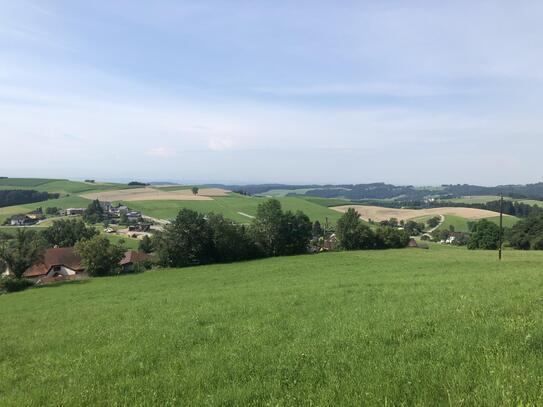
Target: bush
x,y
141,266
485,236
12,284
527,234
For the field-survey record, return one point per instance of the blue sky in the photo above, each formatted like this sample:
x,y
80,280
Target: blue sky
x,y
409,92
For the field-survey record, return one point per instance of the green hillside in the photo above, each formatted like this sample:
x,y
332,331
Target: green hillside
x,y
24,182
231,206
400,327
60,186
461,224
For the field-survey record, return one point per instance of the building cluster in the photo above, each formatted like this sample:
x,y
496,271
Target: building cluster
x,y
64,264
28,219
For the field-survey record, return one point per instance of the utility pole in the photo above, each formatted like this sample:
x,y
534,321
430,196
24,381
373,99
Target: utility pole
x,y
501,227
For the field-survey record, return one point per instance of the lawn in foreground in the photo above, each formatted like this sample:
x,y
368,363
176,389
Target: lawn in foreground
x,y
434,327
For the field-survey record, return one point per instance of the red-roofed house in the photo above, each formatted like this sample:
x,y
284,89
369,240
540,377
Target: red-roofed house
x,y
132,257
57,264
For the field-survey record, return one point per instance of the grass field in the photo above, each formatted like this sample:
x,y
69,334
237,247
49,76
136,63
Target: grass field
x,y
128,242
231,206
461,224
63,187
325,201
443,326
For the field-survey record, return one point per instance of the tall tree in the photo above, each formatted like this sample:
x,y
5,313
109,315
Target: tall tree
x,y
294,233
347,229
146,245
266,227
23,251
99,256
186,241
485,235
67,232
231,242
94,212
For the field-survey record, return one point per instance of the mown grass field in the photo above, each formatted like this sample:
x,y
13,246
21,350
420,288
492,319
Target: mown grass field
x,y
231,206
128,242
461,224
443,326
24,182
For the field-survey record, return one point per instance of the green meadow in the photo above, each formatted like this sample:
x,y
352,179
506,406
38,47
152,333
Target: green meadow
x,y
444,326
461,224
128,242
236,207
60,186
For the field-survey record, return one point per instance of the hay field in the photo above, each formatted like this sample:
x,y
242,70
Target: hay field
x,y
152,194
378,213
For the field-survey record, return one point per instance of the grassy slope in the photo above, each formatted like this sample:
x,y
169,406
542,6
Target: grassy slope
x,y
60,186
24,182
461,224
428,327
128,242
326,201
230,206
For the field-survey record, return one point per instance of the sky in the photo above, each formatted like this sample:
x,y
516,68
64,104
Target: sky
x,y
406,92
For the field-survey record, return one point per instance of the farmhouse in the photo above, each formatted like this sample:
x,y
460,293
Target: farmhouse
x,y
75,211
131,258
330,243
140,227
36,214
57,264
133,216
21,220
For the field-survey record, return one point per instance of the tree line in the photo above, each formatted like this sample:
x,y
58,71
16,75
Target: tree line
x,y
10,197
194,238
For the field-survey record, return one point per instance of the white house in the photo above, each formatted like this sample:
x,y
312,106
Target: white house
x,y
61,263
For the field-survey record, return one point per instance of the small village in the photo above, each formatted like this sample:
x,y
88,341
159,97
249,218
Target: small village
x,y
118,219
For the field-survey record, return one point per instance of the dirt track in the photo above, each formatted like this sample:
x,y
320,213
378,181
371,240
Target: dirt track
x,y
378,213
152,194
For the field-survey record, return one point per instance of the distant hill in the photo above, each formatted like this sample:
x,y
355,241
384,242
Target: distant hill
x,y
381,190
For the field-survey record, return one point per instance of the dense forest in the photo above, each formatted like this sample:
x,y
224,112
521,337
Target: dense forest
x,y
9,197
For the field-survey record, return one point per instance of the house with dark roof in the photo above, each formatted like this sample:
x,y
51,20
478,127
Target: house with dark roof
x,y
131,258
22,220
57,264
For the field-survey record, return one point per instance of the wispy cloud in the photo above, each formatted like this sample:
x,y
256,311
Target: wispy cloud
x,y
402,90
